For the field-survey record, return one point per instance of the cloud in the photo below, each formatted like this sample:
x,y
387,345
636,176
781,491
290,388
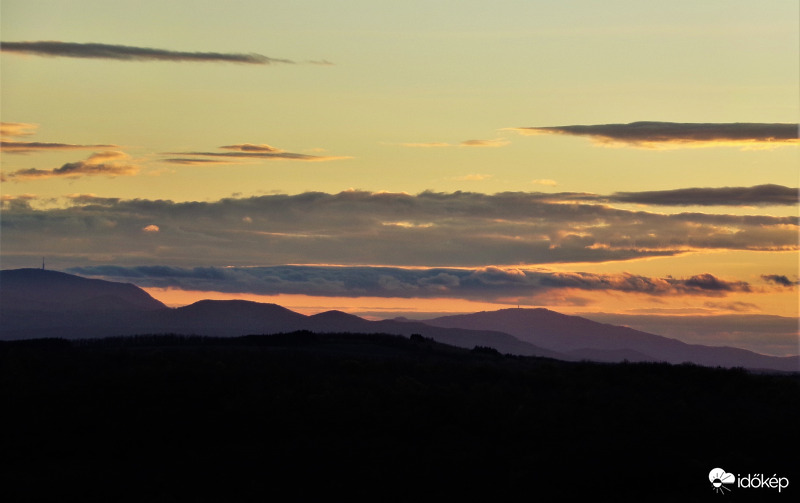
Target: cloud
x,y
459,229
705,284
779,280
19,202
736,307
102,163
129,53
427,145
497,142
474,177
189,161
710,283
485,283
243,152
249,147
151,228
545,181
678,135
14,129
79,199
24,147
759,195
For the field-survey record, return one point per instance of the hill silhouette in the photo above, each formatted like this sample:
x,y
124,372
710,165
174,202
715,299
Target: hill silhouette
x,y
37,303
39,289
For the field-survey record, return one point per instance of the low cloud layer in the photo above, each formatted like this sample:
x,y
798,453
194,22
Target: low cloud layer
x,y
109,163
486,283
130,53
458,229
677,135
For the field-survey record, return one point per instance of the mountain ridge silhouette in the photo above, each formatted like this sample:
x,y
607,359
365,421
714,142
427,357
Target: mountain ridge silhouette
x,y
36,303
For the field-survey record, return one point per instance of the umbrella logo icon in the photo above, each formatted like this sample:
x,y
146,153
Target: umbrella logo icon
x,y
718,477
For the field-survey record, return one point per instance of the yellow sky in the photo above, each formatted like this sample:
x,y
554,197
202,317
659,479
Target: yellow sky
x,y
193,136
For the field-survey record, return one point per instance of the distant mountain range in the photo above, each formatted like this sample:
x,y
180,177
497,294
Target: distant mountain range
x,y
37,303
582,338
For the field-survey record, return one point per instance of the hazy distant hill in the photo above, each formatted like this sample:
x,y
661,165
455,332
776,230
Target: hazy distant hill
x,y
337,321
35,303
580,337
225,318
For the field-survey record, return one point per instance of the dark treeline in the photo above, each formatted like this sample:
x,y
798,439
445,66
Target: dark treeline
x,y
305,416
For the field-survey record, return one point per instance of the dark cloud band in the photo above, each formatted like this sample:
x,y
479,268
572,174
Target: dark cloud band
x,y
759,195
486,283
654,134
129,53
458,229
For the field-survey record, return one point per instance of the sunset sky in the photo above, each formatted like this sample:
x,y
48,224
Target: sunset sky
x,y
626,158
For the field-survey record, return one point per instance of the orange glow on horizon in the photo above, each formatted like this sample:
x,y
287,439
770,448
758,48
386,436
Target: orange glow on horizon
x,y
308,304
566,301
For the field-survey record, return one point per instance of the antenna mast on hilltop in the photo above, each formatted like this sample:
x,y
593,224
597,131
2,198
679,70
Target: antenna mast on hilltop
x,y
43,263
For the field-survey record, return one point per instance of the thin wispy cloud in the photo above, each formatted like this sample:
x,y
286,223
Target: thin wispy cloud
x,y
189,161
473,177
244,152
433,144
26,147
497,142
250,147
255,155
109,163
666,135
14,129
52,48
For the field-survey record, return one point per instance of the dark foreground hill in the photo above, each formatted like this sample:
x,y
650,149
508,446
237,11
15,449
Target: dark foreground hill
x,y
359,417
